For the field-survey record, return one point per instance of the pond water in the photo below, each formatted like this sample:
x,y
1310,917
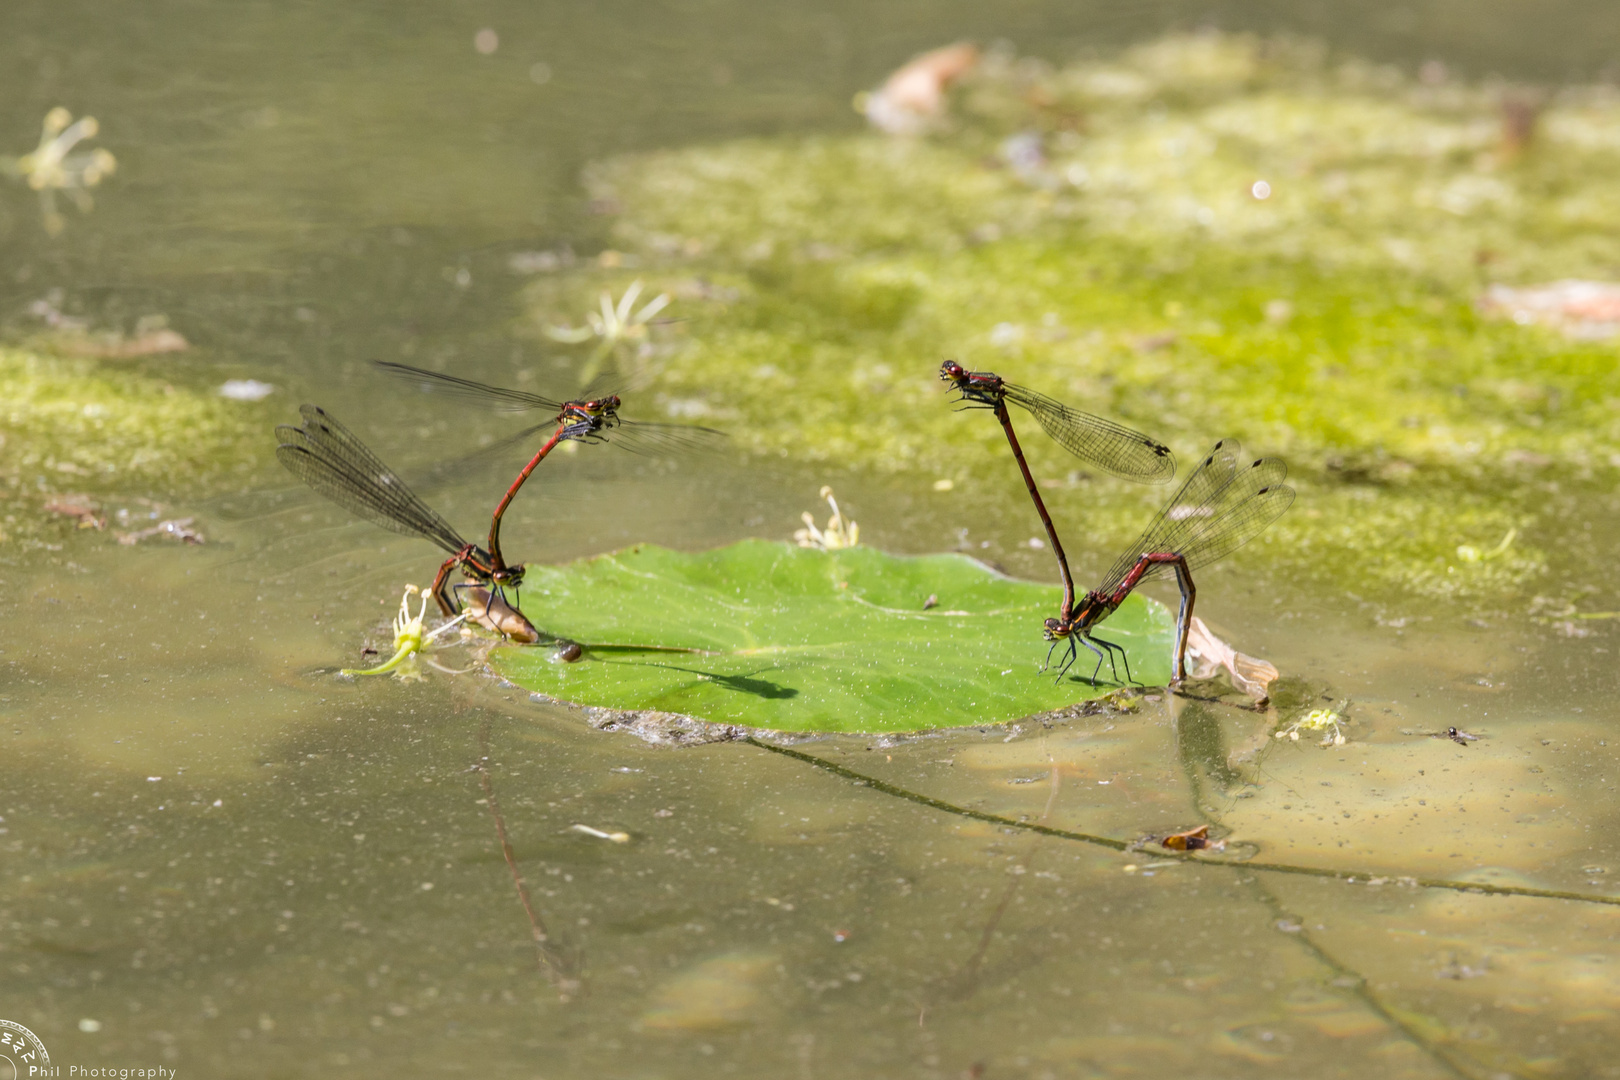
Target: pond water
x,y
222,859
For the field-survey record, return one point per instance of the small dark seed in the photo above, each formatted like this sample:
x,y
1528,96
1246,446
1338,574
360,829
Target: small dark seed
x,y
569,651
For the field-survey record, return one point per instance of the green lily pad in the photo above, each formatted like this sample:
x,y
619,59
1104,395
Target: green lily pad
x,y
792,639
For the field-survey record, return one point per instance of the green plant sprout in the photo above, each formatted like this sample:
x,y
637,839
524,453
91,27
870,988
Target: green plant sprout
x,y
51,168
840,533
409,640
1323,720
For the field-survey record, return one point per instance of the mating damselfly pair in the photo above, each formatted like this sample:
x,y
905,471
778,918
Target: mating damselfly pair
x,y
1223,504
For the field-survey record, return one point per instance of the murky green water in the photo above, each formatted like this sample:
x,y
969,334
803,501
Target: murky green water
x,y
220,859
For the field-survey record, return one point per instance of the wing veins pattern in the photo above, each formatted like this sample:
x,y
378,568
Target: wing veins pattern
x,y
640,436
456,386
1113,448
329,458
1220,508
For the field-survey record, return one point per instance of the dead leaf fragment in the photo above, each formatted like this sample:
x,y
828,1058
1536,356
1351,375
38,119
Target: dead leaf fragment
x,y
78,506
115,346
1207,654
1585,310
913,97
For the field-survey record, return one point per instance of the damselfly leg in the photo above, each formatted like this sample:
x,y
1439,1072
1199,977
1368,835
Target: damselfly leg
x,y
1112,647
1068,661
1101,647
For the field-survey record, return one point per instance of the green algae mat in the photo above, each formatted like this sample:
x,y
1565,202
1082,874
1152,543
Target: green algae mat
x,y
1201,236
794,639
70,424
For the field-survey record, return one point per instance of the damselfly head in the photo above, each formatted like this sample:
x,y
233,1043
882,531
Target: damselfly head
x,y
595,409
509,576
1056,629
980,387
587,419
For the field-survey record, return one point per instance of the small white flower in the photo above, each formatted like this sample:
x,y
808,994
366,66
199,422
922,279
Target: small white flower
x,y
51,168
409,640
616,322
839,533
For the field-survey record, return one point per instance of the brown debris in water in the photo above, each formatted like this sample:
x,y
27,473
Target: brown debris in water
x,y
1583,310
912,99
1192,840
115,346
86,509
71,336
1520,115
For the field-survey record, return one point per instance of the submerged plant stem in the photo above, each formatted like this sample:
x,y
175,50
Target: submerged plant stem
x,y
1440,1056
1196,785
1349,877
970,973
1360,988
550,959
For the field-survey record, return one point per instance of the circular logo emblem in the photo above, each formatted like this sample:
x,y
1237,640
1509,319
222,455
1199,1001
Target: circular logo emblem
x,y
20,1051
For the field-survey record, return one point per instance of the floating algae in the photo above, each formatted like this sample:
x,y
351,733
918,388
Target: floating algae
x,y
1204,234
74,425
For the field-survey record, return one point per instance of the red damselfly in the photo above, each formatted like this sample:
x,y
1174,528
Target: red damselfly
x,y
1113,448
329,458
1221,507
1116,450
594,419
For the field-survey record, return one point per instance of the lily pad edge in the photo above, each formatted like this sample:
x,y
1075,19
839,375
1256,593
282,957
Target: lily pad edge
x,y
677,730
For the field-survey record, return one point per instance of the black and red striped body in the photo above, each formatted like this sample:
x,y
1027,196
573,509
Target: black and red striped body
x,y
1115,449
1077,621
